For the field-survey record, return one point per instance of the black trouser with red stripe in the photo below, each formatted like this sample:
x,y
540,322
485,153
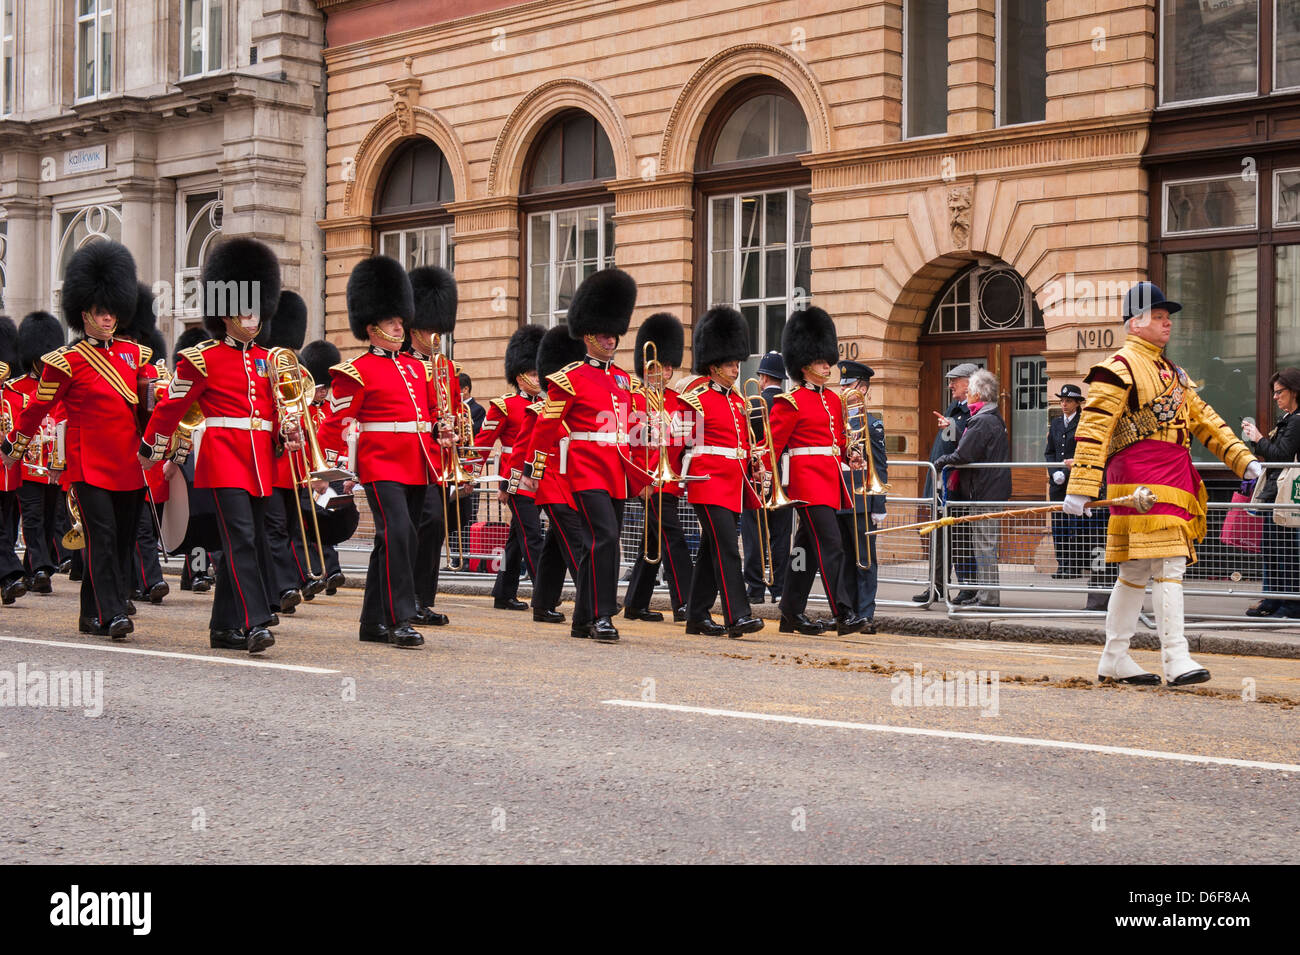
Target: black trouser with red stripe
x,y
241,600
674,555
391,577
600,518
717,566
431,531
108,520
561,550
40,503
817,549
146,571
282,530
10,565
523,547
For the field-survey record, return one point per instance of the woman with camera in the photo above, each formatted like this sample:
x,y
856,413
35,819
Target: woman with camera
x,y
1281,550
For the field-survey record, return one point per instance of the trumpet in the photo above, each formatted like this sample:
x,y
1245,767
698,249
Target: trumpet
x,y
662,473
773,497
858,439
454,472
293,385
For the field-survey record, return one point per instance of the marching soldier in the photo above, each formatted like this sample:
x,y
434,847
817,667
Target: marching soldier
x,y
338,519
199,562
1136,429
12,585
866,511
718,463
664,424
435,301
99,383
562,546
231,380
808,425
771,381
504,422
391,396
591,399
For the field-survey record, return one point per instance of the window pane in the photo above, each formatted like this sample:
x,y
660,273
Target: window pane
x,y
802,215
539,244
7,106
566,235
720,290
802,272
539,295
747,134
1023,65
106,54
604,155
609,236
749,237
216,52
1288,197
566,281
579,147
1028,407
588,233
86,58
791,128
1214,334
390,244
202,221
1227,203
1287,345
446,185
722,223
192,38
749,284
774,224
926,94
774,284
85,6
1209,49
751,314
772,328
546,165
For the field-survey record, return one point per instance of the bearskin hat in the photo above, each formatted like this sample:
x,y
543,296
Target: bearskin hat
x,y
665,330
288,327
188,339
721,335
143,321
521,352
8,345
318,358
603,304
40,332
378,289
557,349
235,270
157,344
434,291
100,275
809,335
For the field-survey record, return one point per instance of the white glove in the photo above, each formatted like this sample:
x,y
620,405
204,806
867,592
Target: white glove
x,y
1254,472
1058,477
1075,505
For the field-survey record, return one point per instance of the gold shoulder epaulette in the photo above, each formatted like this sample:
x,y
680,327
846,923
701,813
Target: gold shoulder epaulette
x,y
499,404
561,377
350,369
196,357
789,396
59,359
693,399
146,354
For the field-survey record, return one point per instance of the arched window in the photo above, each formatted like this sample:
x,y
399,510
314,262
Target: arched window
x,y
758,231
410,217
78,227
199,215
568,213
985,298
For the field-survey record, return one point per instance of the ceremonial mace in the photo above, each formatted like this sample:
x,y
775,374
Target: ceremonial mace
x,y
1141,500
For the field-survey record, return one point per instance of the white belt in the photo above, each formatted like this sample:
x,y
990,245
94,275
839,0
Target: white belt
x,y
736,454
397,427
240,424
830,452
600,437
507,450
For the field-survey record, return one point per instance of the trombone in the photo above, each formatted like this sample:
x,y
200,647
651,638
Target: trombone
x,y
454,474
292,386
858,439
772,497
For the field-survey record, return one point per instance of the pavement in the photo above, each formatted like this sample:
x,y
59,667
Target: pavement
x,y
503,740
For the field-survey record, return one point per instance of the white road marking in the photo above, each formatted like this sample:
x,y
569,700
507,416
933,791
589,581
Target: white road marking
x,y
1036,653
233,661
952,734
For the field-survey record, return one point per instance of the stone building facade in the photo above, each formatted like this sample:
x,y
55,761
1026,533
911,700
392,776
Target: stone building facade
x,y
161,125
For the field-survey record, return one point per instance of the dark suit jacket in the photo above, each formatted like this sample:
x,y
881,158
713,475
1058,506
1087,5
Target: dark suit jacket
x,y
959,413
476,415
874,503
1060,445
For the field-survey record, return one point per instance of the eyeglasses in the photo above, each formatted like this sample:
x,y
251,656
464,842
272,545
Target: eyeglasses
x,y
1279,392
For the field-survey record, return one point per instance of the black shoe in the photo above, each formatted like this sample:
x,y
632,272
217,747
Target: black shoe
x,y
40,582
65,567
548,616
1142,679
755,598
119,627
375,633
187,583
311,588
706,627
201,585
1265,608
130,608
13,590
92,626
508,603
275,620
604,631
1098,602
923,597
1066,574
137,594
1191,677
743,626
964,597
580,632
651,616
679,615
334,583
428,617
227,640
288,600
851,623
988,603
259,638
1289,608
801,624
158,591
74,575
406,636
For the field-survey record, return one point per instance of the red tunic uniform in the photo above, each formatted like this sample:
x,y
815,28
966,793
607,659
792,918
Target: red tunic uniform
x,y
11,403
719,450
231,382
37,463
390,396
809,423
505,421
590,401
99,389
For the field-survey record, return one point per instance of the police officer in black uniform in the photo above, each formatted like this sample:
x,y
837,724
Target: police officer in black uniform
x,y
1071,547
771,378
869,508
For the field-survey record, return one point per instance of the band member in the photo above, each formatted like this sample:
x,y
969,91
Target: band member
x,y
867,510
12,584
504,421
390,396
562,547
771,381
659,416
1136,429
39,494
290,582
199,561
99,384
338,517
591,399
808,425
231,380
435,301
718,461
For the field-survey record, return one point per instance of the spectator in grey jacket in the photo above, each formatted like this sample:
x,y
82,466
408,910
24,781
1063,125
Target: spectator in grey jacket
x,y
983,441
1281,553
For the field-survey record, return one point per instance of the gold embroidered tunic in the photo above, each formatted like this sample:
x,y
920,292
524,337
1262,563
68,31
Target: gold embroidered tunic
x,y
1136,428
